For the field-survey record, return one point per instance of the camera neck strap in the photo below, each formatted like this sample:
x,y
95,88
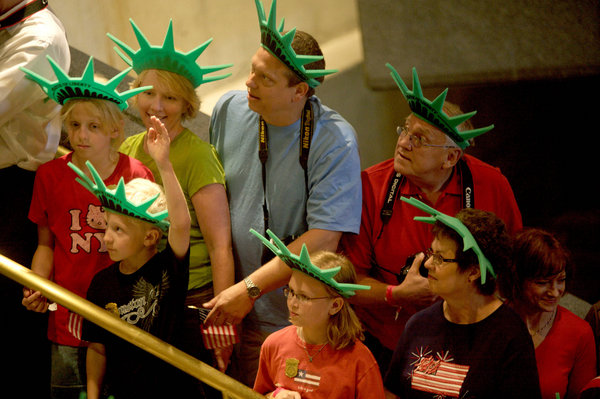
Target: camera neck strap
x,y
467,192
23,13
307,126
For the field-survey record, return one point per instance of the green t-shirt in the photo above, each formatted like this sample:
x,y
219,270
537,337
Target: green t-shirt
x,y
196,165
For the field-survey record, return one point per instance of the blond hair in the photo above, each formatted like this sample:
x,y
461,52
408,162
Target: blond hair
x,y
179,86
109,113
344,327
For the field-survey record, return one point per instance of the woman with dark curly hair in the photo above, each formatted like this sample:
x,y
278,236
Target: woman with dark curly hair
x,y
564,343
470,344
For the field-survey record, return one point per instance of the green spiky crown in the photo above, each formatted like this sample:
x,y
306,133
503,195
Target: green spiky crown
x,y
165,57
431,111
281,46
303,264
66,88
116,200
469,241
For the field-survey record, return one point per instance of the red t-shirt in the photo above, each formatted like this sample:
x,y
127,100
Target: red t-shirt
x,y
351,372
403,236
75,218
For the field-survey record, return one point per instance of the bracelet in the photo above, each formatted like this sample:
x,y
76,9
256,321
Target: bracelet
x,y
275,392
389,297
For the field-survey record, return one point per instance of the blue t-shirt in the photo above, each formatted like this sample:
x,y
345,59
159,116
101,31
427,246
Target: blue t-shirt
x,y
334,199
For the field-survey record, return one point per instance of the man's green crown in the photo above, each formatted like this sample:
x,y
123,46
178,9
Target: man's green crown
x,y
116,200
469,241
165,57
280,46
431,111
66,88
303,264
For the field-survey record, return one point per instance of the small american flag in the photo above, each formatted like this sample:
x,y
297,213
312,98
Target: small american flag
x,y
219,336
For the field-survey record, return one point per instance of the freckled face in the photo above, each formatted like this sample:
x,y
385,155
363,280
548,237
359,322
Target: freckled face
x,y
162,102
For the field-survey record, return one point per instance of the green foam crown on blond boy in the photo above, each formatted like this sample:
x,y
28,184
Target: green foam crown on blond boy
x,y
280,45
303,264
165,57
431,111
469,241
116,200
67,88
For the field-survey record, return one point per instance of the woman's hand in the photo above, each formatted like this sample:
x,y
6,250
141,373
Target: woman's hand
x,y
158,142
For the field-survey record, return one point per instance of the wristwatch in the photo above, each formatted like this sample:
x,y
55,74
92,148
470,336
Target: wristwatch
x,y
252,289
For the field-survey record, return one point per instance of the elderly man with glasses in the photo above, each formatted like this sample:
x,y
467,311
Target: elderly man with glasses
x,y
429,163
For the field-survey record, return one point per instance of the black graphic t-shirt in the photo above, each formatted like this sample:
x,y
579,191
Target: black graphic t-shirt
x,y
152,299
437,359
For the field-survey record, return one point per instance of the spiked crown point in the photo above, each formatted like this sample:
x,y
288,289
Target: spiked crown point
x,y
66,87
166,57
432,112
302,263
116,200
469,241
280,45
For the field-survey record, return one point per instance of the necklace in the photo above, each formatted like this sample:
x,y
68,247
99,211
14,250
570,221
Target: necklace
x,y
310,358
538,331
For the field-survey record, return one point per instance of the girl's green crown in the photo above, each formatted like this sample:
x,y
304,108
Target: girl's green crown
x,y
167,58
281,46
303,264
116,200
66,88
431,111
456,225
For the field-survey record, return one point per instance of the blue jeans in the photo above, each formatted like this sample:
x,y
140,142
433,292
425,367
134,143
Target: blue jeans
x,y
68,376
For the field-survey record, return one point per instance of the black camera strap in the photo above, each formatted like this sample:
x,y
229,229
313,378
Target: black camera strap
x,y
306,133
467,192
23,13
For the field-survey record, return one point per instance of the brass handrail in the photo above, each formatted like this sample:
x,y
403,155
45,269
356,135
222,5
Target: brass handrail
x,y
134,335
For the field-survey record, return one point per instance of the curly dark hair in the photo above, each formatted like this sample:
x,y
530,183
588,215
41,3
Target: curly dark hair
x,y
490,233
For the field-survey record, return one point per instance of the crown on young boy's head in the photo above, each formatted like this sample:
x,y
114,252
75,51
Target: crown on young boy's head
x,y
431,111
281,46
116,200
303,264
66,87
469,241
167,58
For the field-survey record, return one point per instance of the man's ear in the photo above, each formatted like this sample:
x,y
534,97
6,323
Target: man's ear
x,y
301,91
452,157
336,306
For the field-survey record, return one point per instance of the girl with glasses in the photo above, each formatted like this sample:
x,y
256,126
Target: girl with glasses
x,y
321,354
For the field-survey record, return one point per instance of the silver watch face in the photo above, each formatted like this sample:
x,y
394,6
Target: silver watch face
x,y
254,292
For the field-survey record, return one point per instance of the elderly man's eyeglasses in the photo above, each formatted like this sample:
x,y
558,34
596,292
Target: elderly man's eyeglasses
x,y
437,259
289,294
417,141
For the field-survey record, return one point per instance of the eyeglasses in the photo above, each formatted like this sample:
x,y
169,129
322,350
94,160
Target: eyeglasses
x,y
289,294
417,141
437,259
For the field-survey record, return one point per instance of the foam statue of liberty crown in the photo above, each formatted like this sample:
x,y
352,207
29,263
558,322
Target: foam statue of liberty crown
x,y
432,113
468,240
167,58
116,200
303,264
66,87
280,45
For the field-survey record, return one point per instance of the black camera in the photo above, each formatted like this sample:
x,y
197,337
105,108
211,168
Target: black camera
x,y
408,264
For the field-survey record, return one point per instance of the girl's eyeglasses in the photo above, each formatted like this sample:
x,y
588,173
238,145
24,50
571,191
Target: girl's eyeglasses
x,y
289,294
